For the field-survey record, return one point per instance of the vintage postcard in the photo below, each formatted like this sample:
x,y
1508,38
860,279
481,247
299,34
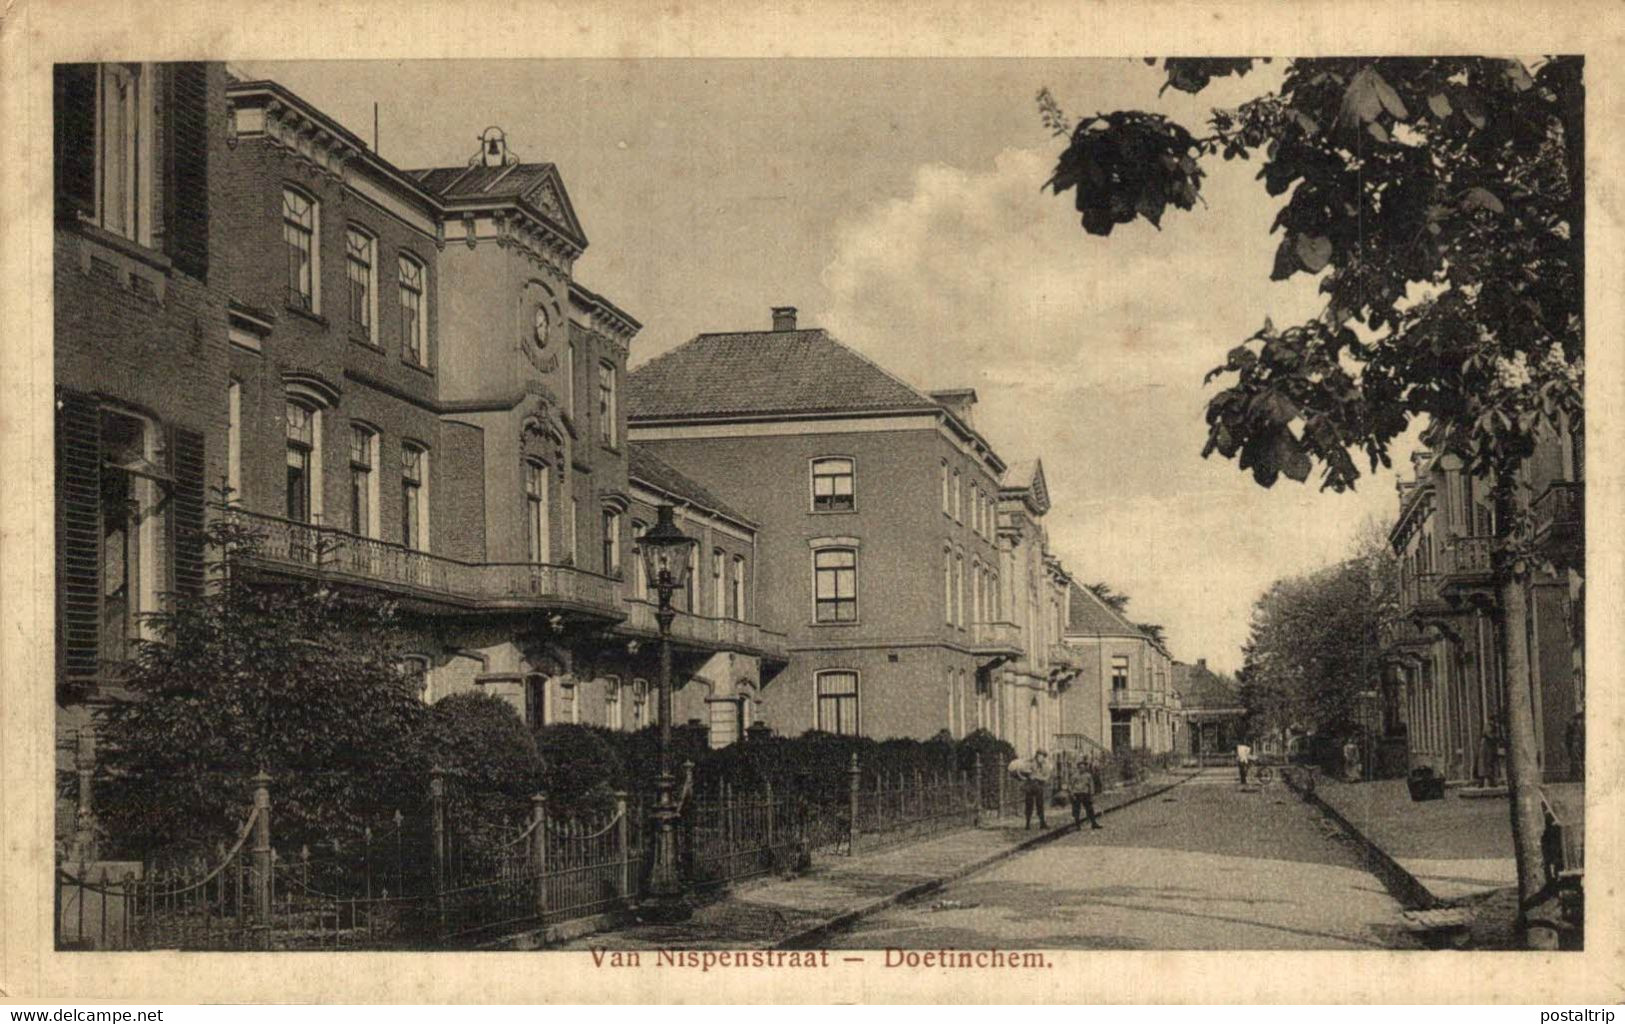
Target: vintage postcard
x,y
875,503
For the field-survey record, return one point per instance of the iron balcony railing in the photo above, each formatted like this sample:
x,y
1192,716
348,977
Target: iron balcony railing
x,y
704,631
1466,562
310,550
1136,697
1418,592
1559,517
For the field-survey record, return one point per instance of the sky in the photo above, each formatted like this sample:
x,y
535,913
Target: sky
x,y
898,203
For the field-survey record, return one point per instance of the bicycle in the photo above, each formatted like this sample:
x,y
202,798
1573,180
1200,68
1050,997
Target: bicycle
x,y
1263,774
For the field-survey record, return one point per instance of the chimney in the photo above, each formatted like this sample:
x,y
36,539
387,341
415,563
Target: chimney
x,y
1201,663
784,318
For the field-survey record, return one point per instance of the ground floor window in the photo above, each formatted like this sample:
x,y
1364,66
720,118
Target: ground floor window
x,y
1122,730
727,717
838,702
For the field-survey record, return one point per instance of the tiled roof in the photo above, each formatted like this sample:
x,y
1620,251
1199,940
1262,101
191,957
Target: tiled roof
x,y
762,372
511,181
645,467
1201,688
1089,615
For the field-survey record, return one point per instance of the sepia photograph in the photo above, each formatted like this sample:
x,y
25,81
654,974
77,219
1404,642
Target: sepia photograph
x,y
739,514
1086,504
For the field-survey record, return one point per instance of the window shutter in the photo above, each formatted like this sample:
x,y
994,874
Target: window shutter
x,y
186,168
78,534
186,457
73,99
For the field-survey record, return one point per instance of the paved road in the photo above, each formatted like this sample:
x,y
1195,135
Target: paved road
x,y
1205,866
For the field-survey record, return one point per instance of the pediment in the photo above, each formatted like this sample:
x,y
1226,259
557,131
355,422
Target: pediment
x,y
549,197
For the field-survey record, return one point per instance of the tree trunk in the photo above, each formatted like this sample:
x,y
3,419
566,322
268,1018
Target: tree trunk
x,y
1538,914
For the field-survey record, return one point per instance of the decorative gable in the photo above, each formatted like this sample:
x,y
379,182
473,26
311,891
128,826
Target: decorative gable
x,y
549,197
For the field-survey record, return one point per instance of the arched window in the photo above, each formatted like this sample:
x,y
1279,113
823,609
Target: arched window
x,y
304,438
837,702
833,485
414,324
363,480
640,703
301,231
536,708
613,711
414,496
537,525
948,585
640,572
361,280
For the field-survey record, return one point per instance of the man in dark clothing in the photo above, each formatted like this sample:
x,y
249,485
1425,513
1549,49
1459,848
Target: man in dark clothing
x,y
1086,783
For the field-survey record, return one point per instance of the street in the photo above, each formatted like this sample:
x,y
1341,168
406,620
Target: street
x,y
1206,865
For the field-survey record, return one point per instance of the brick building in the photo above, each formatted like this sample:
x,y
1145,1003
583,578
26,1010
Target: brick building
x,y
878,509
1127,700
140,331
393,376
1445,684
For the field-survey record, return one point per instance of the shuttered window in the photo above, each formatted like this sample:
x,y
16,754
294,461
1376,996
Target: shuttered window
x,y
78,534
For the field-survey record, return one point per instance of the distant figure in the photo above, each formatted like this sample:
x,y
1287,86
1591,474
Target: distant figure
x,y
1034,773
1351,760
1086,782
1244,757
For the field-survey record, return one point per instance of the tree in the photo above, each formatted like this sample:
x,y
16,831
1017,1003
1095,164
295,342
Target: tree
x,y
1109,597
1441,201
1154,632
300,681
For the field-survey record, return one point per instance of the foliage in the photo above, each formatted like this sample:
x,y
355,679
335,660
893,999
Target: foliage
x,y
490,765
581,768
1313,648
1154,632
1441,203
298,680
1109,597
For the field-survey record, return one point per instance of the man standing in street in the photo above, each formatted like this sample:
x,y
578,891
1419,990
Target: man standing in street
x,y
1034,774
1244,757
1086,783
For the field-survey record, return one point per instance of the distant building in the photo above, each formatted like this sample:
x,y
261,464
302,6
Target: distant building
x,y
1131,673
877,505
1445,686
1211,711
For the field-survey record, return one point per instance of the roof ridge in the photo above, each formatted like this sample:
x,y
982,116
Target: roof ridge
x,y
1110,611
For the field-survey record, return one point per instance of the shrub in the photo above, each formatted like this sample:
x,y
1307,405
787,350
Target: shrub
x,y
580,769
491,771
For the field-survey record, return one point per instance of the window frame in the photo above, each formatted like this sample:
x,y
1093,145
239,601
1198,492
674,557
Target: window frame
x,y
421,497
135,144
736,607
1120,662
368,330
372,528
296,299
403,288
814,476
837,600
838,700
311,445
537,511
610,522
719,583
608,405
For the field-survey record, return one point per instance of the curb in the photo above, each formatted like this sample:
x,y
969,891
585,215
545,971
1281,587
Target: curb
x,y
810,937
1401,884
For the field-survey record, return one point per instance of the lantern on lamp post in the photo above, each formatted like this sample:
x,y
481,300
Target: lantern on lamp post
x,y
666,551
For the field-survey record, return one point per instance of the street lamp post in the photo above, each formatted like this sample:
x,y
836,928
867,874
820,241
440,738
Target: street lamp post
x,y
666,558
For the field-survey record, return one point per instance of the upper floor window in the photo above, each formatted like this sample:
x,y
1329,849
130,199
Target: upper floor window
x,y
719,581
124,138
536,524
640,575
736,598
361,275
301,227
414,336
568,375
303,428
835,585
612,542
234,442
363,482
832,485
948,585
1119,671
607,431
958,504
947,501
414,497
838,702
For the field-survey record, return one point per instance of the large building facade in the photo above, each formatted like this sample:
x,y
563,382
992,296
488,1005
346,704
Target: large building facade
x,y
878,506
1445,681
391,376
1137,707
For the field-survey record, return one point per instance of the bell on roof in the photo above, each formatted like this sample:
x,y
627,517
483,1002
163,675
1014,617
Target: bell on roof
x,y
493,149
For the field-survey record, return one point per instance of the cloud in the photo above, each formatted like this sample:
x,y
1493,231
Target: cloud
x,y
1090,353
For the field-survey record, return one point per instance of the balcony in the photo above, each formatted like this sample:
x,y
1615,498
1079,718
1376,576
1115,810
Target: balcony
x,y
998,641
306,550
703,632
1065,658
1466,569
1559,523
1135,697
1400,634
1419,595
